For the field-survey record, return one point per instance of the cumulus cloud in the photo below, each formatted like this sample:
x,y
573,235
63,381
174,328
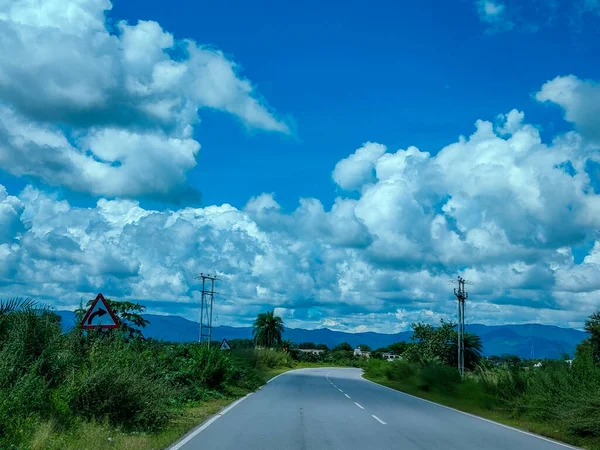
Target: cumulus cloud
x,y
83,101
500,206
580,100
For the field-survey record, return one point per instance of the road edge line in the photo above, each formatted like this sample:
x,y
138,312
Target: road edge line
x,y
204,425
543,438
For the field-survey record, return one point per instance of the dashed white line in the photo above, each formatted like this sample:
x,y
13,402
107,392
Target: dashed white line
x,y
358,404
347,395
340,390
378,419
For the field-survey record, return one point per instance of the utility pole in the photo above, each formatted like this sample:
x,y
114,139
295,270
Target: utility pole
x,y
461,296
206,307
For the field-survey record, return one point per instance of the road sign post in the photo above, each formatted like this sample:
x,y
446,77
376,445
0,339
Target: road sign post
x,y
225,345
99,316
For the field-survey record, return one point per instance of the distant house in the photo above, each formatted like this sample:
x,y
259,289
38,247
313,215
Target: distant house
x,y
538,364
314,351
359,352
390,356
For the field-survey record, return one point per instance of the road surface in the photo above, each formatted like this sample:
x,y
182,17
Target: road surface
x,y
333,408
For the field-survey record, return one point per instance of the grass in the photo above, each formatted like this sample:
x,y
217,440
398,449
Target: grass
x,y
465,400
98,436
101,436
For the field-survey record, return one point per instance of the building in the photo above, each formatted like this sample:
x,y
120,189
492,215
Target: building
x,y
390,356
314,351
359,352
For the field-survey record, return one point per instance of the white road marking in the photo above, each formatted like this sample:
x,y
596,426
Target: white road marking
x,y
276,377
330,382
347,395
477,417
206,424
378,419
340,390
357,404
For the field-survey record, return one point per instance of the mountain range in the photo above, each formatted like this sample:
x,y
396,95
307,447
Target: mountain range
x,y
525,341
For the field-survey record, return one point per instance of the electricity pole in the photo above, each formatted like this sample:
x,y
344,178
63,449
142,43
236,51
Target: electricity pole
x,y
206,307
461,296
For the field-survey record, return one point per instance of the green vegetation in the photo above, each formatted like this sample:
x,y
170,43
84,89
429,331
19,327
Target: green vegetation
x,y
559,399
268,329
112,389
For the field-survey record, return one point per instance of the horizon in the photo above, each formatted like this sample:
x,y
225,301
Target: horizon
x,y
349,332
337,164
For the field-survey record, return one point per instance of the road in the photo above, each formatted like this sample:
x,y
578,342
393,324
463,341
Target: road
x,y
334,408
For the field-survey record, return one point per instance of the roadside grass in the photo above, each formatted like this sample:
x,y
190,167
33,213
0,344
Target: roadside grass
x,y
469,398
102,436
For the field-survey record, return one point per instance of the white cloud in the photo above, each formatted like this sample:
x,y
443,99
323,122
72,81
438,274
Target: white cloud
x,y
357,169
501,207
79,104
580,99
494,14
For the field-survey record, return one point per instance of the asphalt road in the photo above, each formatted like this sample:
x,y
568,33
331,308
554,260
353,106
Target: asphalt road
x,y
335,408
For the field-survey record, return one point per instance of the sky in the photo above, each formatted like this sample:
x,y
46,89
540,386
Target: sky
x,y
339,163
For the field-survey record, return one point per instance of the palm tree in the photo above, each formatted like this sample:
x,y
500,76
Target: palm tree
x,y
287,345
473,347
268,329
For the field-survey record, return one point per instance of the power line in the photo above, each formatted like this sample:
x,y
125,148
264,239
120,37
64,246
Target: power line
x,y
461,296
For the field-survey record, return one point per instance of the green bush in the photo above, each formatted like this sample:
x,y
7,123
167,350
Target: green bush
x,y
272,359
121,386
433,376
399,370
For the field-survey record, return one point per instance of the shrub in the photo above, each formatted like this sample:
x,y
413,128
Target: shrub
x,y
121,386
399,370
438,377
272,359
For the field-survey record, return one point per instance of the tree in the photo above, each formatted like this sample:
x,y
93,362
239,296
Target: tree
x,y
344,346
322,347
365,347
592,326
128,313
287,345
268,329
441,344
397,347
473,347
307,345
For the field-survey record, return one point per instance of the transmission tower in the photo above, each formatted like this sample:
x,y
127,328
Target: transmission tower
x,y
461,296
206,307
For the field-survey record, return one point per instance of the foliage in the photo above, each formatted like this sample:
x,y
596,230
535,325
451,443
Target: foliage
x,y
440,344
592,326
128,313
398,347
116,378
364,348
344,346
268,329
563,396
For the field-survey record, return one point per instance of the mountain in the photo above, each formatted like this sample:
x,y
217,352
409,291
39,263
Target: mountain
x,y
541,341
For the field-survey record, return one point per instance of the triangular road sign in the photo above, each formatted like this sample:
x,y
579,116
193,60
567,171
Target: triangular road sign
x,y
225,345
99,315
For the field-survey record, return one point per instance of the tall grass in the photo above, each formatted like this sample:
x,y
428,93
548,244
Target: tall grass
x,y
65,381
565,397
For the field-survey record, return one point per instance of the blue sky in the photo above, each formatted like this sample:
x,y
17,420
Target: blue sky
x,y
119,126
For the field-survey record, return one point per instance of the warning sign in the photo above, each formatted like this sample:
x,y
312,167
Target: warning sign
x,y
225,345
99,315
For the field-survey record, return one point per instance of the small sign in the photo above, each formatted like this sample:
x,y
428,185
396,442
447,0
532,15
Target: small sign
x,y
225,345
99,315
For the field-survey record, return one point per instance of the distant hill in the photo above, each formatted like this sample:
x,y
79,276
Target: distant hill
x,y
543,341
